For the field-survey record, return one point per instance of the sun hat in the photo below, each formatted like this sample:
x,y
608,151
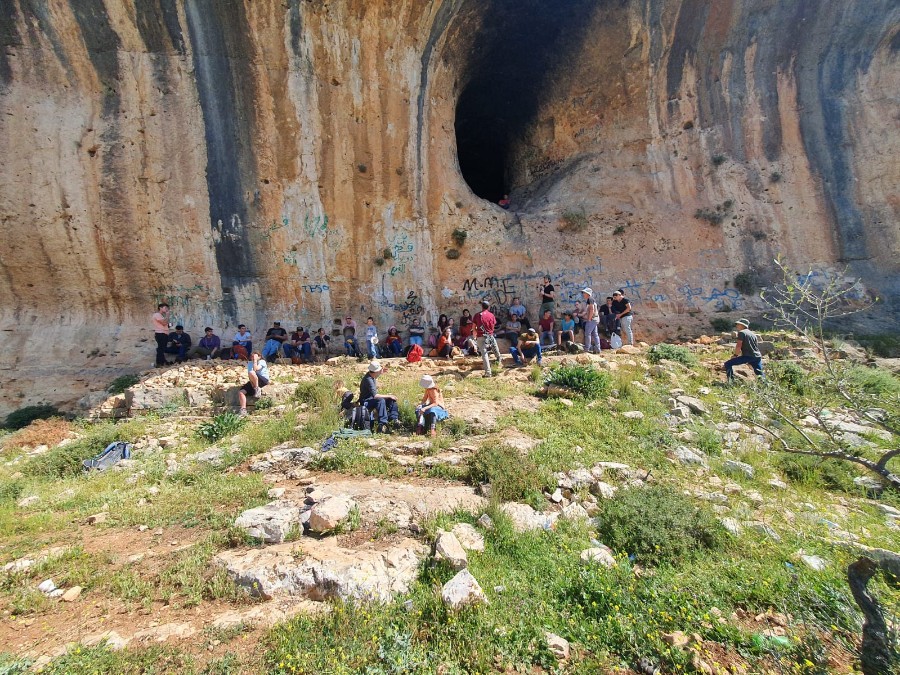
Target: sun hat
x,y
375,367
588,290
427,382
742,322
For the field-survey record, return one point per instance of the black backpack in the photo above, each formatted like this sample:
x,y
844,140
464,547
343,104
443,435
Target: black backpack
x,y
361,418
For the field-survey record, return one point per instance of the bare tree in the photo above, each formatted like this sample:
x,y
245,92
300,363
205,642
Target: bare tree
x,y
806,304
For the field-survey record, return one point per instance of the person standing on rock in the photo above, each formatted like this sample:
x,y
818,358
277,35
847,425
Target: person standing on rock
x,y
257,378
485,323
590,316
384,405
623,313
161,332
745,351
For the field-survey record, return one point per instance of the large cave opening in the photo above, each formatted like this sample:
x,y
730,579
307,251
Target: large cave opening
x,y
516,57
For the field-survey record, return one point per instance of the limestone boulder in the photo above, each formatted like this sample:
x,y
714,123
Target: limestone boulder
x,y
329,514
271,523
448,548
463,590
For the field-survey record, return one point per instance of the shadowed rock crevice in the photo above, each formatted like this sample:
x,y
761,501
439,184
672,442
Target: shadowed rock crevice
x,y
518,50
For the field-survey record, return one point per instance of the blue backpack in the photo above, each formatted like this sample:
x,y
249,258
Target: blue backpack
x,y
114,453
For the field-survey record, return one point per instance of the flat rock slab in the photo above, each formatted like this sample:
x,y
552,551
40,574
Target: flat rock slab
x,y
482,416
273,522
398,502
318,569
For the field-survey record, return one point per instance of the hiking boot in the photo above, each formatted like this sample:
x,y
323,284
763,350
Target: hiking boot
x,y
257,392
242,412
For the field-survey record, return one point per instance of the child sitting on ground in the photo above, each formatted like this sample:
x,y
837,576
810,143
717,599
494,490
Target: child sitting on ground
x,y
432,408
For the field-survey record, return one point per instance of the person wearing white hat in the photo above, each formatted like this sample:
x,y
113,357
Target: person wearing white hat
x,y
745,351
432,408
591,316
385,405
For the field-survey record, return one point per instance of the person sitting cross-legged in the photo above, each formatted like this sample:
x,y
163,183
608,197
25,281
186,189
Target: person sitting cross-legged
x,y
384,405
209,346
529,348
179,343
257,378
432,408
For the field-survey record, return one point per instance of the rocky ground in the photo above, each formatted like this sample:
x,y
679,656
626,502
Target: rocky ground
x,y
205,544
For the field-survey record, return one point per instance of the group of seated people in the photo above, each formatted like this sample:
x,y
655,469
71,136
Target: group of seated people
x,y
445,340
385,410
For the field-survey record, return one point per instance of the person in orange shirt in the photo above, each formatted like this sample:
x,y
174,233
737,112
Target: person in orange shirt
x,y
161,332
432,408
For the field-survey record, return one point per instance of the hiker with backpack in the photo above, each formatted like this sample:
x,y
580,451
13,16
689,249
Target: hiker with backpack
x,y
432,408
384,405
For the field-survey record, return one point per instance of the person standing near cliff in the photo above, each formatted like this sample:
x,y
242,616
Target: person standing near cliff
x,y
161,332
621,306
548,297
485,323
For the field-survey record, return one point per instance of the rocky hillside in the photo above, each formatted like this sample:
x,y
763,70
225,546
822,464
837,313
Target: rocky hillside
x,y
607,513
250,161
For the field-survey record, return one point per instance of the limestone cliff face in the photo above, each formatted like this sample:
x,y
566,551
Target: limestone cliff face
x,y
299,160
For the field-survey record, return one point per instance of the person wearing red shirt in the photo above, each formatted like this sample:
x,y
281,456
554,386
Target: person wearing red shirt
x,y
547,323
485,323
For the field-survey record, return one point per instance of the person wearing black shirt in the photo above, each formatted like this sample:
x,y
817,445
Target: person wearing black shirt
x,y
179,343
275,337
384,405
548,297
608,316
621,307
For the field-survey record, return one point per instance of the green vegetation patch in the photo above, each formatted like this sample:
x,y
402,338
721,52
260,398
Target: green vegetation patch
x,y
581,380
669,352
21,418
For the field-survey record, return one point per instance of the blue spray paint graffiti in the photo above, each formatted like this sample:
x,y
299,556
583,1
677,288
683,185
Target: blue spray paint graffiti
x,y
726,298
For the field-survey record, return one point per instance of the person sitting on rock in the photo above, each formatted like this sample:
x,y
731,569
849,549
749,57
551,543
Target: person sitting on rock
x,y
465,340
257,378
384,405
745,351
275,337
321,341
351,346
394,342
416,333
179,343
432,408
512,329
243,339
529,348
504,203
566,329
547,324
299,346
444,347
371,338
518,309
209,346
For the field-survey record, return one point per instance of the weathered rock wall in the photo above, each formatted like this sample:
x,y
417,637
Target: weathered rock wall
x,y
251,161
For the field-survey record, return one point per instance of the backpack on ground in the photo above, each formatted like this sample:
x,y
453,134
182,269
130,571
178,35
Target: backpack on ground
x,y
615,341
361,418
414,354
240,352
605,344
113,454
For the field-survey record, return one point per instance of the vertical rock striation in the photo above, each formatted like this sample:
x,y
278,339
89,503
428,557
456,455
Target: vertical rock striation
x,y
250,161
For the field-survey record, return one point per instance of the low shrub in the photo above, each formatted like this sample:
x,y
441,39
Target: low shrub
x,y
721,325
746,283
719,159
40,432
818,472
318,394
513,477
264,403
453,254
21,418
873,381
459,237
220,426
789,375
658,525
886,346
582,380
671,353
574,221
66,460
121,383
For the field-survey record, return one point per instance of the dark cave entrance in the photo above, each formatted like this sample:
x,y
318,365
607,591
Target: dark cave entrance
x,y
520,47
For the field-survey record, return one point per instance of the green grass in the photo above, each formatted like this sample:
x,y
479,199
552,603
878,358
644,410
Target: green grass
x,y
583,381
